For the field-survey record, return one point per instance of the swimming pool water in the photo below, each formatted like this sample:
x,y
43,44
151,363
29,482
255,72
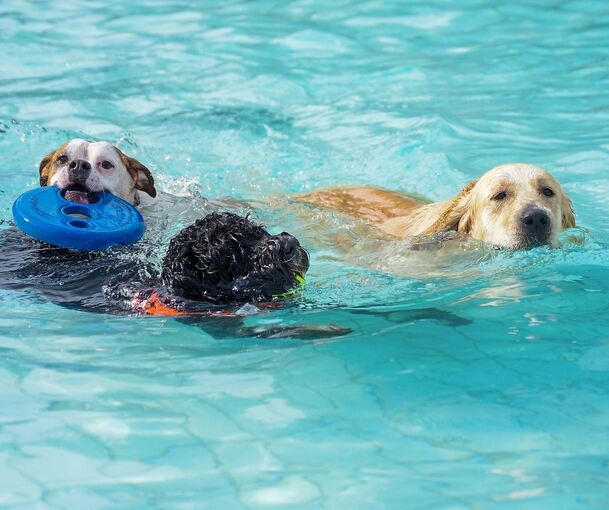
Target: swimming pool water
x,y
495,399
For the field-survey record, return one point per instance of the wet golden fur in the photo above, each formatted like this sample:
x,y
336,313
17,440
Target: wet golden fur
x,y
476,210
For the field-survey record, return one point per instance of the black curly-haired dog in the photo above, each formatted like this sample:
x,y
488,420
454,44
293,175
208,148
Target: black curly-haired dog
x,y
222,261
210,270
225,258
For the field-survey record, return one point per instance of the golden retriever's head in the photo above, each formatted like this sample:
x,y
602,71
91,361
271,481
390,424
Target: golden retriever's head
x,y
82,167
513,206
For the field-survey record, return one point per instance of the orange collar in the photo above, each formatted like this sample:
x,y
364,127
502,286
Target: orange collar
x,y
155,306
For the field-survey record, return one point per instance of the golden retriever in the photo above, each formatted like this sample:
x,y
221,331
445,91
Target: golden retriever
x,y
513,206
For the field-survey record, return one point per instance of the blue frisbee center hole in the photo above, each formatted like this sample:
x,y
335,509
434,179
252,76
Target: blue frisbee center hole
x,y
77,211
79,224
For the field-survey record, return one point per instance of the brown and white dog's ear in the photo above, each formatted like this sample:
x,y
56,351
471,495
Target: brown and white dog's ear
x,y
568,215
47,165
457,214
141,175
44,168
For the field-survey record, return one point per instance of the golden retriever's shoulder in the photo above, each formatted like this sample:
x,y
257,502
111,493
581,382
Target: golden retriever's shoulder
x,y
431,218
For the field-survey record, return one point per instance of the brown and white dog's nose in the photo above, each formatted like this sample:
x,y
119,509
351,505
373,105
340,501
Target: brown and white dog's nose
x,y
537,223
79,170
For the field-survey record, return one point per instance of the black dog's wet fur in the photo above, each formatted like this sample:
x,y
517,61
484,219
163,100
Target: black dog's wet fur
x,y
225,258
218,263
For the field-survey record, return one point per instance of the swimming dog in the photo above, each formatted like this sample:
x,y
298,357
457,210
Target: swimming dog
x,y
224,258
512,206
211,269
83,167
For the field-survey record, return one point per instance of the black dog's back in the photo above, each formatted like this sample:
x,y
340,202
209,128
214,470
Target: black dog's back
x,y
67,277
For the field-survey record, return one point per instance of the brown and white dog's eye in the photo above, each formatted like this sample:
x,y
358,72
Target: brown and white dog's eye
x,y
547,192
106,165
500,196
62,160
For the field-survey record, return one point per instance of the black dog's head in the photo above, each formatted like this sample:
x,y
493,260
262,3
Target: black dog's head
x,y
227,258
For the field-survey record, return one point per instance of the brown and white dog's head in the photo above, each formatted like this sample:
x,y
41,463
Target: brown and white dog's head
x,y
513,206
82,168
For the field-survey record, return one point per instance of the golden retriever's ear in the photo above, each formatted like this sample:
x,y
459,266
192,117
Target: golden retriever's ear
x,y
457,214
568,216
466,222
140,173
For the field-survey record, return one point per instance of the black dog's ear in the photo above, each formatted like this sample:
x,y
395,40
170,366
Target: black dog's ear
x,y
212,259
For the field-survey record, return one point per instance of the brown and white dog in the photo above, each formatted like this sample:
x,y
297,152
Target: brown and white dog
x,y
513,206
82,167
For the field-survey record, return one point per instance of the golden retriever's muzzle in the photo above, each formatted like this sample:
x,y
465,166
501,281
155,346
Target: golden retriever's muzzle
x,y
536,226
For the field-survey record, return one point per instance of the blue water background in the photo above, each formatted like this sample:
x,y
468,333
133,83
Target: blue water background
x,y
256,100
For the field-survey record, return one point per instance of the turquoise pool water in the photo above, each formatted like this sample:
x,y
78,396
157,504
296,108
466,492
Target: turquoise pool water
x,y
504,406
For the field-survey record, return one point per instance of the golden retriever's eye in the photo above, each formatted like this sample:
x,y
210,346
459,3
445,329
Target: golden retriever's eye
x,y
547,192
106,165
62,160
500,196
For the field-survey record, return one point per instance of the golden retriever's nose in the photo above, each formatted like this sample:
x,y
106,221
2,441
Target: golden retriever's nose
x,y
536,223
79,170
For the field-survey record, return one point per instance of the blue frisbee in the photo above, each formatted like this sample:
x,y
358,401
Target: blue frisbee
x,y
46,215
